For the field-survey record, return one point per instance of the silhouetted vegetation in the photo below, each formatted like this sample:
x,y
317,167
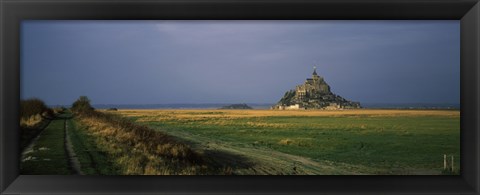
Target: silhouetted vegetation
x,y
82,105
34,116
32,107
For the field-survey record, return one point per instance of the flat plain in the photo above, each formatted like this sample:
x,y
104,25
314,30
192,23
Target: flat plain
x,y
315,142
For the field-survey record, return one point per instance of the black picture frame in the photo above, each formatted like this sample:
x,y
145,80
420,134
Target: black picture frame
x,y
14,11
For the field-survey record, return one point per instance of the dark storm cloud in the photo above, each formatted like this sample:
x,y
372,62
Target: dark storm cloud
x,y
135,62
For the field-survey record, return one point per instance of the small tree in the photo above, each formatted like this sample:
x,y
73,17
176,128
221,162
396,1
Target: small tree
x,y
82,105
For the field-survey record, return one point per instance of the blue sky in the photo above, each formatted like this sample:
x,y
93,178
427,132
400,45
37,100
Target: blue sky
x,y
162,62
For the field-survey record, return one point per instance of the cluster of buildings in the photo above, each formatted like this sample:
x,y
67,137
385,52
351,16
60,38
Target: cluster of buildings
x,y
315,93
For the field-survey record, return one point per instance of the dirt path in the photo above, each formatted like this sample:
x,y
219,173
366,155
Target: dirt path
x,y
47,153
29,147
72,157
249,160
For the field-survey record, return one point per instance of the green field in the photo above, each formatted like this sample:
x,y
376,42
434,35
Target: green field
x,y
248,142
316,142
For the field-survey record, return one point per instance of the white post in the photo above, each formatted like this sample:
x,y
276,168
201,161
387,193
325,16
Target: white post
x,y
444,162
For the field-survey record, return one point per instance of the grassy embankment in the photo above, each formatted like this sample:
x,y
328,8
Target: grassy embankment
x,y
132,149
364,141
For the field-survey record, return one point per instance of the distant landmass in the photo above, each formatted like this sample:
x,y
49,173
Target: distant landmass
x,y
176,106
268,106
314,94
237,106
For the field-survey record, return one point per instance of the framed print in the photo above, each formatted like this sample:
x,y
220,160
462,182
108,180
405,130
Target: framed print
x,y
239,97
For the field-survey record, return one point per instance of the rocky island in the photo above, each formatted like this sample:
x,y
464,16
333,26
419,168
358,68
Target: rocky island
x,y
313,94
237,106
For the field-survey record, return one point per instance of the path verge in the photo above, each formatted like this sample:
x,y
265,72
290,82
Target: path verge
x,y
72,157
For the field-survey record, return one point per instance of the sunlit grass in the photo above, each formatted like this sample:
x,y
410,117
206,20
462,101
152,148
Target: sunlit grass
x,y
391,141
139,150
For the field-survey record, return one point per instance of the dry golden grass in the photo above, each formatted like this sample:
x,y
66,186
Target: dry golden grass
x,y
31,121
285,141
138,150
228,117
225,115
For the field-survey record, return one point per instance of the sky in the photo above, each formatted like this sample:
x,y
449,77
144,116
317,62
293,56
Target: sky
x,y
167,62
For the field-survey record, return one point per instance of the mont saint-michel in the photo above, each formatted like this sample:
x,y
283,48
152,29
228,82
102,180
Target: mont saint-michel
x,y
315,93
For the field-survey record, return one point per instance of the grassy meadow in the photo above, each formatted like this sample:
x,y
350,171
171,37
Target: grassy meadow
x,y
380,142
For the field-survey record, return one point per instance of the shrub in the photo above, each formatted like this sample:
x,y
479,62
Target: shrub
x,y
82,105
33,115
32,107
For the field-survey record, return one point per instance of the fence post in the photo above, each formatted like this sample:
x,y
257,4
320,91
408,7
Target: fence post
x,y
452,163
444,162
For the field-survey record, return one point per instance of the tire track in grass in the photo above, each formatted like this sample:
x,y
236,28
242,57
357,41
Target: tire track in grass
x,y
263,161
73,161
84,156
84,151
